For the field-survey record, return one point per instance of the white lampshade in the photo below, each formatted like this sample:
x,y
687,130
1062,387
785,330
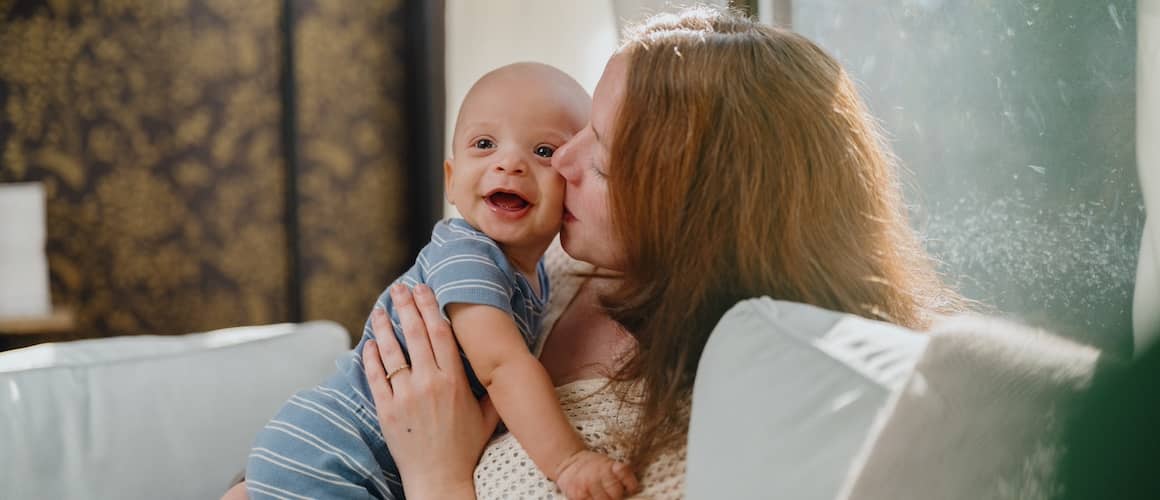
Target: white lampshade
x,y
23,265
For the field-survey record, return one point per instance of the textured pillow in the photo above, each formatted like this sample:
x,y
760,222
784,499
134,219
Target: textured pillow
x,y
980,416
146,416
786,395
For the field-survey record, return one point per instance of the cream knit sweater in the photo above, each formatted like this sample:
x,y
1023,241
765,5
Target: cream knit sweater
x,y
506,471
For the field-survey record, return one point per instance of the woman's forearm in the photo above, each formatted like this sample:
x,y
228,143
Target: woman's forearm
x,y
440,490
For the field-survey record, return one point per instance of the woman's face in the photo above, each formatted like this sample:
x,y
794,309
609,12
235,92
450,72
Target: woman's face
x,y
587,232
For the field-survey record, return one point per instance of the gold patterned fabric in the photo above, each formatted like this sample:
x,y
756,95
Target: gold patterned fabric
x,y
349,79
156,127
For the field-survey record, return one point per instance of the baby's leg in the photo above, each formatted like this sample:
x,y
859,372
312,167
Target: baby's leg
x,y
321,444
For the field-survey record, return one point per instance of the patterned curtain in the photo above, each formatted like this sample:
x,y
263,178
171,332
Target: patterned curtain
x,y
203,173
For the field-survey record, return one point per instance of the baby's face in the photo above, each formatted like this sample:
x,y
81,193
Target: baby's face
x,y
499,176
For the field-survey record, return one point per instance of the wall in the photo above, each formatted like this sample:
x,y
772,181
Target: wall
x,y
577,37
482,36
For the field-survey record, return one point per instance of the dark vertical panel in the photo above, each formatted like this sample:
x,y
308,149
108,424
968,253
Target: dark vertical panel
x,y
290,153
426,95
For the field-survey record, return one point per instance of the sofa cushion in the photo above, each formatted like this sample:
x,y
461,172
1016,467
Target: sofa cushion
x,y
980,416
149,416
785,396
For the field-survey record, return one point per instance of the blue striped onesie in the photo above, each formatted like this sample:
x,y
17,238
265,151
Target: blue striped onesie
x,y
326,442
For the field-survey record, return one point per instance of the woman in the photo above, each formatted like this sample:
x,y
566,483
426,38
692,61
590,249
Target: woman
x,y
724,160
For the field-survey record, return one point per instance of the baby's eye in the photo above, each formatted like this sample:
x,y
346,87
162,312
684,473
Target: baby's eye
x,y
483,144
545,151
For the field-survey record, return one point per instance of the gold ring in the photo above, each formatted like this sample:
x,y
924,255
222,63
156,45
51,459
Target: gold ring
x,y
392,373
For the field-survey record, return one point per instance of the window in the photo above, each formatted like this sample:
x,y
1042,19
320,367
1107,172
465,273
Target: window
x,y
1017,119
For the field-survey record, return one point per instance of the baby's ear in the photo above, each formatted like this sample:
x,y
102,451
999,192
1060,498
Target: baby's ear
x,y
448,180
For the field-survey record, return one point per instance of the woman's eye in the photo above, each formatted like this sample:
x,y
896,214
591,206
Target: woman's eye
x,y
484,144
545,151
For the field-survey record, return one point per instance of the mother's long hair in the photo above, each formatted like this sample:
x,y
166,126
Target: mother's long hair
x,y
743,163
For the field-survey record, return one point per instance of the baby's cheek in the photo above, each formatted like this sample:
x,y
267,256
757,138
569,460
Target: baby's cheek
x,y
554,187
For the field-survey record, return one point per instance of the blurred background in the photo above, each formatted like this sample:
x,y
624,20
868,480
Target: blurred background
x,y
211,163
1017,121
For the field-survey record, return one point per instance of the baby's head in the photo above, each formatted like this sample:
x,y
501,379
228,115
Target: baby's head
x,y
499,174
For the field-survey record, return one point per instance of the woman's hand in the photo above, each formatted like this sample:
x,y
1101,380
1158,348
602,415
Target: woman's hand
x,y
432,423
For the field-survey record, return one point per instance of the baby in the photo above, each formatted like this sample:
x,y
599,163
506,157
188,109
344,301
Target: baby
x,y
487,273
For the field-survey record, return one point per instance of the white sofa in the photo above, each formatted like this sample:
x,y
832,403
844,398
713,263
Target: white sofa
x,y
148,416
787,395
791,402
796,402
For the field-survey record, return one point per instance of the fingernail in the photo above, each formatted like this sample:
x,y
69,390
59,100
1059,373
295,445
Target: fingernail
x,y
423,289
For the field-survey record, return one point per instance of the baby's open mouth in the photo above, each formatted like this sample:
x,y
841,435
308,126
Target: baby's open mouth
x,y
507,201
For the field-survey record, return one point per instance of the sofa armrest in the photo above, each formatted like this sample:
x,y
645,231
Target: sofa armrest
x,y
786,395
980,416
148,416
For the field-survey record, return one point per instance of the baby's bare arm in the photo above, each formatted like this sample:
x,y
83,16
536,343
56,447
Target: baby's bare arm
x,y
518,384
524,396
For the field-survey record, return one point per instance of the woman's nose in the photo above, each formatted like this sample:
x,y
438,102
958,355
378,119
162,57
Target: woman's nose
x,y
564,160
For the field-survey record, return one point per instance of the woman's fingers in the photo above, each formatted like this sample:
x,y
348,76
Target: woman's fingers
x,y
381,390
237,492
391,355
414,328
443,346
389,349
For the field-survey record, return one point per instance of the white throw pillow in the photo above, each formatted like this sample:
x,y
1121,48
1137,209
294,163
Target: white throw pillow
x,y
786,395
148,416
980,417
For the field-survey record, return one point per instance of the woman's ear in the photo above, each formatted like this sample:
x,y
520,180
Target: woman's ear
x,y
448,180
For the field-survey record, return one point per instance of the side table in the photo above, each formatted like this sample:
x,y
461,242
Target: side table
x,y
23,331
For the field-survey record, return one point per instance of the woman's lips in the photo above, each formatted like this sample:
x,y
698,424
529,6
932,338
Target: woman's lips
x,y
568,217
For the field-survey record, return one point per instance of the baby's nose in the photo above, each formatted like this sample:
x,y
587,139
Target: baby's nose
x,y
511,165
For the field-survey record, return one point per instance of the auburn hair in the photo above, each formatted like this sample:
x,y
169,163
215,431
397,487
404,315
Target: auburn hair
x,y
742,164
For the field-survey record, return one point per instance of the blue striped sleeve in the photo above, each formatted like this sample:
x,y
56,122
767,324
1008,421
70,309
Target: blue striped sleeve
x,y
464,266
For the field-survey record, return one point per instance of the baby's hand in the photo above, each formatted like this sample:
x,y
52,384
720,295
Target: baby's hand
x,y
590,475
